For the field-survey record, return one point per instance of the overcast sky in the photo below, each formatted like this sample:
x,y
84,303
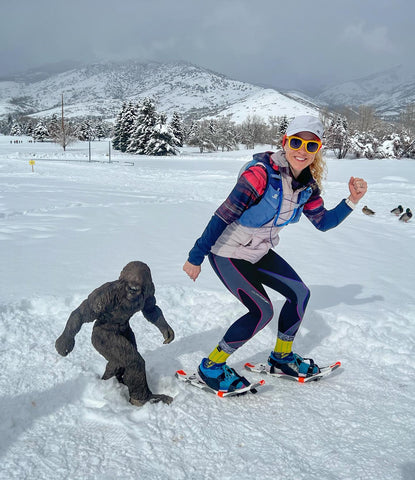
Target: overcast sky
x,y
296,44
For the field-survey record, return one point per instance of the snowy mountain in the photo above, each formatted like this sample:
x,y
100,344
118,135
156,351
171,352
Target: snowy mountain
x,y
100,89
266,103
389,92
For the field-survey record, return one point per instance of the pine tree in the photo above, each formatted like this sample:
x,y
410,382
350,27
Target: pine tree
x,y
40,132
143,127
85,131
176,125
99,129
116,139
123,126
15,130
29,128
283,124
337,137
127,125
162,140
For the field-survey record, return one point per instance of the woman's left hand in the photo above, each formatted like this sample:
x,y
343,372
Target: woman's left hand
x,y
357,187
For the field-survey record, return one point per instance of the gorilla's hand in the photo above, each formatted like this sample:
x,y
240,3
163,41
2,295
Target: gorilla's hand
x,y
164,328
167,333
64,345
157,397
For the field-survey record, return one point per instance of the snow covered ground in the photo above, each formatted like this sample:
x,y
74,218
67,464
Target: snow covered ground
x,y
68,227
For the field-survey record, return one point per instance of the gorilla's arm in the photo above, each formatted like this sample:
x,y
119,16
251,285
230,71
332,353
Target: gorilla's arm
x,y
65,343
154,315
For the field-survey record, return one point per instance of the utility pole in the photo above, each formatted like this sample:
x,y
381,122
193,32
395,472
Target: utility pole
x,y
63,129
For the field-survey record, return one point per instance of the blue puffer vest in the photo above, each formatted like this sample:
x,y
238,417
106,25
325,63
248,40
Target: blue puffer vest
x,y
268,208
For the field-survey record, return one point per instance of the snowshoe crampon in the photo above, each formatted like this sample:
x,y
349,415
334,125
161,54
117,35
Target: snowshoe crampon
x,y
266,369
195,380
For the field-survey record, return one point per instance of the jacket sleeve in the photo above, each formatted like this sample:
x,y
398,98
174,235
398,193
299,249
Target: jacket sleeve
x,y
322,218
203,244
247,191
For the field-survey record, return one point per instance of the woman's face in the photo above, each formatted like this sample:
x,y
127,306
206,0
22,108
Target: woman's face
x,y
300,159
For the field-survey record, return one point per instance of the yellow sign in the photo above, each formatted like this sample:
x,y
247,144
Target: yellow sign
x,y
31,162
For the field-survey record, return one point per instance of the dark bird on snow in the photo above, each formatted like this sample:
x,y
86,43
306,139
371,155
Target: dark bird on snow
x,y
367,211
406,216
398,210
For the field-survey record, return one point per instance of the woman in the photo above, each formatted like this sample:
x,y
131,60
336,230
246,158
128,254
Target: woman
x,y
273,191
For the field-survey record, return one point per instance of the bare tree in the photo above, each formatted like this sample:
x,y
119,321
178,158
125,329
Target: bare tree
x,y
64,135
225,134
253,131
366,119
407,118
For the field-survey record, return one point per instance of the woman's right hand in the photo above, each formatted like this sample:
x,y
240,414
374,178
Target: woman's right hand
x,y
192,270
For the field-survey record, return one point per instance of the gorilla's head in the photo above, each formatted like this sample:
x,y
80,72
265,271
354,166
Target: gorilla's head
x,y
136,279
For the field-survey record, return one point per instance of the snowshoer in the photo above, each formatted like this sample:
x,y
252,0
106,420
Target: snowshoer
x,y
272,192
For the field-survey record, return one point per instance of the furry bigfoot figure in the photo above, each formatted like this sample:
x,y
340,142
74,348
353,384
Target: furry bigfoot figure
x,y
111,306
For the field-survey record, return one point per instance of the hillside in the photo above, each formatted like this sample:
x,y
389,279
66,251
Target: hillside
x,y
389,92
100,89
266,103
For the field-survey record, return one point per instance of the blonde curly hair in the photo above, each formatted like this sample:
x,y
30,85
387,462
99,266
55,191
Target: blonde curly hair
x,y
319,168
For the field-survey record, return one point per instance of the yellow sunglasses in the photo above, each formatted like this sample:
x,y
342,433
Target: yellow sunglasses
x,y
311,146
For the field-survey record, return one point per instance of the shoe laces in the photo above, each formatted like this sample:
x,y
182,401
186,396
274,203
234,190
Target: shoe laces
x,y
229,372
297,359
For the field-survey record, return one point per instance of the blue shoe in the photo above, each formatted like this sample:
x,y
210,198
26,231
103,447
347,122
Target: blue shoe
x,y
293,365
220,377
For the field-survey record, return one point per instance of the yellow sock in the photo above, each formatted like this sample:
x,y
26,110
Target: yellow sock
x,y
283,347
218,355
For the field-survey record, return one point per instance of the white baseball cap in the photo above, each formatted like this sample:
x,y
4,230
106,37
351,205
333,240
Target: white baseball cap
x,y
305,123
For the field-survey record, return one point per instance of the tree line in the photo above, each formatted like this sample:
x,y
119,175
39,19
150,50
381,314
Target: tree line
x,y
54,130
360,132
140,129
354,132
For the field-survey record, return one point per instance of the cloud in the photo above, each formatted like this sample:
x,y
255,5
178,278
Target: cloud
x,y
281,44
374,40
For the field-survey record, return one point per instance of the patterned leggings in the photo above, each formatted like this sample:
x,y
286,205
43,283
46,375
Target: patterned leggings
x,y
246,281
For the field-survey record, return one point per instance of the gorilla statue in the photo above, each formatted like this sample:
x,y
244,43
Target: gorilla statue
x,y
111,306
